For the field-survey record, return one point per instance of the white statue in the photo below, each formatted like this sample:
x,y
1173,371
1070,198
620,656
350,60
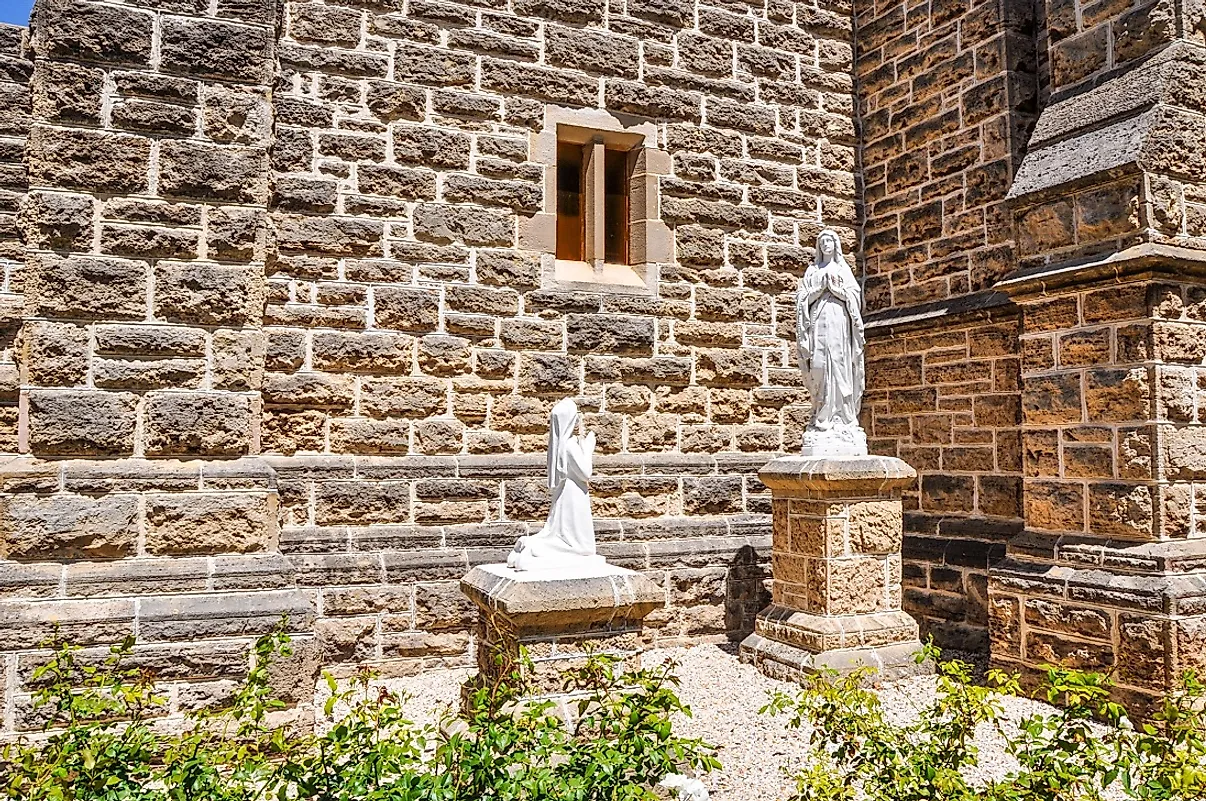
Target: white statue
x,y
830,344
568,538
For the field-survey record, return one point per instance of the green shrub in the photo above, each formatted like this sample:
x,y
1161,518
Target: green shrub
x,y
1083,749
101,743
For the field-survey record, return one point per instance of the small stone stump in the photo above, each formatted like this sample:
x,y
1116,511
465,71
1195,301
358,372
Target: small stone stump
x,y
558,616
836,597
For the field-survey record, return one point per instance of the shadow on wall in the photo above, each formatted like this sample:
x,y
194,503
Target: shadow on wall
x,y
747,591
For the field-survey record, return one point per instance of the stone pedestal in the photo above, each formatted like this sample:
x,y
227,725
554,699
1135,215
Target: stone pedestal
x,y
558,616
836,598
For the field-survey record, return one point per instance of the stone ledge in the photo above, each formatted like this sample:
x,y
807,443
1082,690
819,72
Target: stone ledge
x,y
1082,551
539,599
1128,93
848,476
1174,594
1143,262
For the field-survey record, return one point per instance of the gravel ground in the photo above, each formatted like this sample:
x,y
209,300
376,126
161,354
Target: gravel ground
x,y
758,752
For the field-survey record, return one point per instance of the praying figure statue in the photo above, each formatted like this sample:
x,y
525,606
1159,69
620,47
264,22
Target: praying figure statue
x,y
830,344
568,538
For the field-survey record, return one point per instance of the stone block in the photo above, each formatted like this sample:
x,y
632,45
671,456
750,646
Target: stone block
x,y
37,528
335,236
141,374
406,309
547,373
209,294
54,354
211,424
367,352
613,334
57,221
308,389
89,31
235,234
404,397
474,226
81,423
189,618
200,171
206,47
238,360
362,503
593,51
368,436
209,523
87,287
528,80
25,626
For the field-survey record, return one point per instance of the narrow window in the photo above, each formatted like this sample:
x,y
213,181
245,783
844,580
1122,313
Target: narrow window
x,y
615,211
593,207
571,222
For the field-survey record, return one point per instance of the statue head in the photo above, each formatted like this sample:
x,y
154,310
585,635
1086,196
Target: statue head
x,y
829,247
563,422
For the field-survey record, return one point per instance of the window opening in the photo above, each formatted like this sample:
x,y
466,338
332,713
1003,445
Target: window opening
x,y
571,222
593,203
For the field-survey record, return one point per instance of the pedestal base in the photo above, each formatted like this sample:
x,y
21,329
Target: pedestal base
x,y
558,617
788,644
836,570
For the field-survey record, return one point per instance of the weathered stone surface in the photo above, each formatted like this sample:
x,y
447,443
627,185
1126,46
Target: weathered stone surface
x,y
403,397
57,221
473,226
68,527
217,49
55,354
81,423
206,523
238,359
86,287
198,424
210,294
406,309
94,32
363,352
207,172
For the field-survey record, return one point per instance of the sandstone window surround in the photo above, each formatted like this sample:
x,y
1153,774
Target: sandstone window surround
x,y
618,168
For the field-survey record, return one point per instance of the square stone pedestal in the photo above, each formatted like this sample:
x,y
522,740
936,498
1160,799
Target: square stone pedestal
x,y
836,595
558,616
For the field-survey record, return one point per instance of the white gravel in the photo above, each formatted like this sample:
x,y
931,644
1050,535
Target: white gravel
x,y
758,752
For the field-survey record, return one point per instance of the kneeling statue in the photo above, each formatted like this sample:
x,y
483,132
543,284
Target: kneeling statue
x,y
568,538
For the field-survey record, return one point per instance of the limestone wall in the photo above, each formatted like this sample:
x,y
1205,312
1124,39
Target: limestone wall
x,y
948,93
288,347
15,69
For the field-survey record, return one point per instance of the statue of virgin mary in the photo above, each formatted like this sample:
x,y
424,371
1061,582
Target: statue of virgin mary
x,y
830,345
568,537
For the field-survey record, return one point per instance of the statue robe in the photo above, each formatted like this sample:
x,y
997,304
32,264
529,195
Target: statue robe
x,y
831,344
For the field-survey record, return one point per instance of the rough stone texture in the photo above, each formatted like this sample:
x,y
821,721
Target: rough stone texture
x,y
280,312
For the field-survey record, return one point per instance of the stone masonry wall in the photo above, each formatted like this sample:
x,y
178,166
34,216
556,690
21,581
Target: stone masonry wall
x,y
947,96
15,69
287,348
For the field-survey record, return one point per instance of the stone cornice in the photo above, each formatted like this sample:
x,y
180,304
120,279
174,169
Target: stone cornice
x,y
1146,261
